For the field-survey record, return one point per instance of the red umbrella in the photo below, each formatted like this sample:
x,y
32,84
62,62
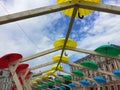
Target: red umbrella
x,y
21,68
8,58
28,74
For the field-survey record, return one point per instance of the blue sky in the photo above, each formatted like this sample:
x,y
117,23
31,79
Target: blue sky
x,y
37,34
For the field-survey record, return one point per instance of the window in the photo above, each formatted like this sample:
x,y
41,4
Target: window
x,y
106,88
110,78
91,88
118,86
112,87
113,66
106,67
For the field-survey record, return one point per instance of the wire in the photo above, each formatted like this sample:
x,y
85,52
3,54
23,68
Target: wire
x,y
21,28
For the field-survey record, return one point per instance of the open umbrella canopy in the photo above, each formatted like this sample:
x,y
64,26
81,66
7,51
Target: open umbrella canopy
x,y
63,87
50,83
116,72
108,50
9,58
66,77
99,79
57,80
39,87
72,85
78,73
84,82
90,64
43,85
54,89
21,67
80,12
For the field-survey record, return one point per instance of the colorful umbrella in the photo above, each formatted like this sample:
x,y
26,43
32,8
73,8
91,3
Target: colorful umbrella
x,y
108,50
63,87
72,85
81,11
99,79
84,82
21,67
54,89
90,64
57,80
78,72
66,77
116,72
9,58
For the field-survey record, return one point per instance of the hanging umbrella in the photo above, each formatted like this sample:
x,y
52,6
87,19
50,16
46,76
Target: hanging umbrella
x,y
67,77
54,89
84,82
72,85
43,85
90,64
63,87
116,72
57,80
39,87
78,72
81,11
99,79
50,83
108,50
9,58
21,67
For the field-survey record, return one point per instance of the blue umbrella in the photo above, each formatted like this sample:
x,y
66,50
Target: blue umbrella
x,y
116,72
63,87
72,85
99,79
84,82
54,89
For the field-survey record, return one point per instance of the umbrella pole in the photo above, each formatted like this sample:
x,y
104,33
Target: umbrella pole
x,y
12,68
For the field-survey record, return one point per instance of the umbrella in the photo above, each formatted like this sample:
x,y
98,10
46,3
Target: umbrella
x,y
81,12
54,89
50,83
78,72
57,80
63,87
84,82
66,77
21,67
99,79
116,72
90,64
9,58
39,87
60,43
72,85
108,50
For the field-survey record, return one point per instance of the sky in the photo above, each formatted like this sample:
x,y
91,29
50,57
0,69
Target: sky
x,y
37,34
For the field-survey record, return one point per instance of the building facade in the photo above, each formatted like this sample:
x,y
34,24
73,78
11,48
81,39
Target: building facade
x,y
105,64
5,80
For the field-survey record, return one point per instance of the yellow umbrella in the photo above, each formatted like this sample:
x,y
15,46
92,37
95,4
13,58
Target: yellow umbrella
x,y
81,12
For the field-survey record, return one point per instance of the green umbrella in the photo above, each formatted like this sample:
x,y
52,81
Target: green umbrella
x,y
78,72
66,77
39,87
108,50
90,64
43,85
50,83
57,80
